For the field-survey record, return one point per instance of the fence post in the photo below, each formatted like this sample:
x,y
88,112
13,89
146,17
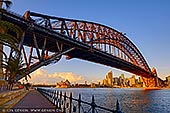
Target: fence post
x,y
54,94
47,94
70,103
57,99
79,102
50,95
60,100
93,105
117,107
64,111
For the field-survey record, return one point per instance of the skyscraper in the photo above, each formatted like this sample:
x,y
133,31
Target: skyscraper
x,y
122,80
132,80
109,78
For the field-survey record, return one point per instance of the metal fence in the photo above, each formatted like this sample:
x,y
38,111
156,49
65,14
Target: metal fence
x,y
68,104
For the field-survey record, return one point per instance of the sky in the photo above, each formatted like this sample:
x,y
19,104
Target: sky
x,y
145,22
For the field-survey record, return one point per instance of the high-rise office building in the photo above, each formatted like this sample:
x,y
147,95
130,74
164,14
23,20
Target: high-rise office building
x,y
122,80
105,83
132,80
109,78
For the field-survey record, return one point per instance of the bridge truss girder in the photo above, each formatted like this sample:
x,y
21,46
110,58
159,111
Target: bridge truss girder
x,y
96,35
36,55
47,38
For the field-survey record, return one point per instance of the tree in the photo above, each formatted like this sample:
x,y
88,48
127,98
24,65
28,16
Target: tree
x,y
10,35
13,66
8,4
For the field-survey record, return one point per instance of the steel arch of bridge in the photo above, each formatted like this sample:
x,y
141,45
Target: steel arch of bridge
x,y
96,35
47,38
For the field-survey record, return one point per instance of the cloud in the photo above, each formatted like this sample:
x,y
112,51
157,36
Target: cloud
x,y
42,76
67,75
39,73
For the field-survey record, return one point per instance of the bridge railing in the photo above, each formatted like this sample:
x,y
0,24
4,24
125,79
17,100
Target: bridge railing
x,y
68,104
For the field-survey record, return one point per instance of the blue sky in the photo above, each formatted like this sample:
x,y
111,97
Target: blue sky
x,y
146,23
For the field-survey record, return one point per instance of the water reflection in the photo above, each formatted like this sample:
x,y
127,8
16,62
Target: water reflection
x,y
131,100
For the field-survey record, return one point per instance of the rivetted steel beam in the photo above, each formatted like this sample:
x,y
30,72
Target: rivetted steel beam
x,y
44,63
98,43
88,31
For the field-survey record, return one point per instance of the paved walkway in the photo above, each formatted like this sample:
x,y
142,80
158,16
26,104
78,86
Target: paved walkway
x,y
34,102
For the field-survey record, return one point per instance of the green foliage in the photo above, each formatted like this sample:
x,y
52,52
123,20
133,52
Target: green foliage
x,y
10,35
6,38
6,27
13,66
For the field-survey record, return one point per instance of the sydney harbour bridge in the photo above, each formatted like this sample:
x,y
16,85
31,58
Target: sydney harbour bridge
x,y
47,38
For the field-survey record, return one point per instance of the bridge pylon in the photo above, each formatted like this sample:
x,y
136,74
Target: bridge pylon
x,y
151,81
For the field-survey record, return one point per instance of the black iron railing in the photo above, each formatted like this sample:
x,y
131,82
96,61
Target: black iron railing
x,y
68,104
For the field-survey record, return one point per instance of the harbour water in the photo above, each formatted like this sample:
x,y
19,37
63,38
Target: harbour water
x,y
131,100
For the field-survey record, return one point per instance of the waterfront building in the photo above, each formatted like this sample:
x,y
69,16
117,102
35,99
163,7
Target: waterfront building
x,y
132,81
140,80
93,85
108,81
105,83
115,81
126,82
62,84
168,80
122,80
109,78
98,83
85,82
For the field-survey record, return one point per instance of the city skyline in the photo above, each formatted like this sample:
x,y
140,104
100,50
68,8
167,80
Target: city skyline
x,y
144,22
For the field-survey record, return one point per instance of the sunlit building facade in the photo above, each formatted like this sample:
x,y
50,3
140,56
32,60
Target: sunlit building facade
x,y
168,80
122,80
109,78
132,80
105,83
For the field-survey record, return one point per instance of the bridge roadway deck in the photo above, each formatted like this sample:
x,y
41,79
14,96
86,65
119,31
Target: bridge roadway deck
x,y
34,102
